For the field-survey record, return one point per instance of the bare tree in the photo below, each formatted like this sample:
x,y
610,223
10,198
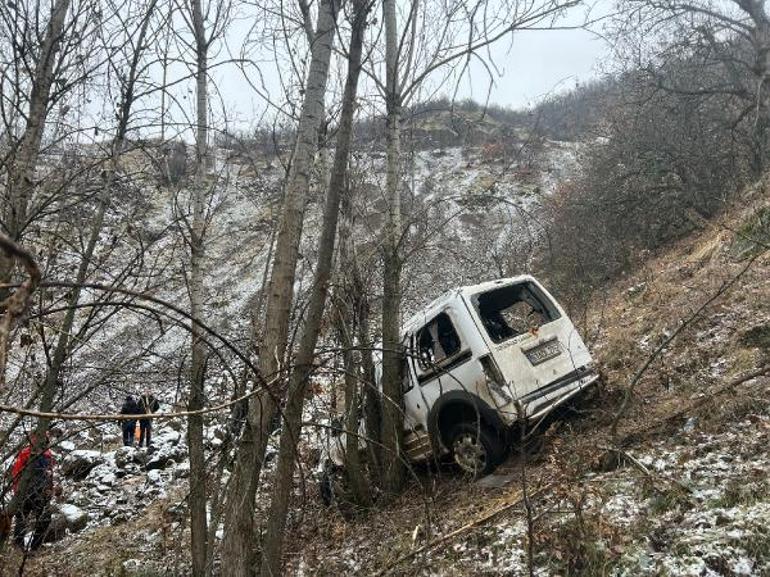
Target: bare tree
x,y
237,552
303,368
198,530
726,46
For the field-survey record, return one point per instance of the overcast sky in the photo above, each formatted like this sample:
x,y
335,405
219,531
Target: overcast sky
x,y
538,63
535,63
529,66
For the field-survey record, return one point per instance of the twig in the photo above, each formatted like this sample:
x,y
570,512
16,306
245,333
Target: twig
x,y
457,532
762,371
649,474
121,417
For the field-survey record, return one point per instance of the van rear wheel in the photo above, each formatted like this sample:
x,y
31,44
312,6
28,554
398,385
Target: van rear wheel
x,y
476,449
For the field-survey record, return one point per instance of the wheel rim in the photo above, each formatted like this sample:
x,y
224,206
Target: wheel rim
x,y
469,454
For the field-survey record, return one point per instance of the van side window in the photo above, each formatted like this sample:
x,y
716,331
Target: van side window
x,y
436,341
513,310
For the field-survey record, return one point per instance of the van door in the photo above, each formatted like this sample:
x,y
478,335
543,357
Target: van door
x,y
439,359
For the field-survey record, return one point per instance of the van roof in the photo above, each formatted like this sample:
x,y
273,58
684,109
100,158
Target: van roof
x,y
436,305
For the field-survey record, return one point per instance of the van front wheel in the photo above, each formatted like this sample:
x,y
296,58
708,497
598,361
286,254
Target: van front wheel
x,y
477,450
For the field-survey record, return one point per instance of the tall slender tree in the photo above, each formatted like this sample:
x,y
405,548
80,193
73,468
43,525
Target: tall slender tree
x,y
239,540
303,367
198,529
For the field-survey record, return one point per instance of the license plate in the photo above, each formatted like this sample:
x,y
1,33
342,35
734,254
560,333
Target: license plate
x,y
542,353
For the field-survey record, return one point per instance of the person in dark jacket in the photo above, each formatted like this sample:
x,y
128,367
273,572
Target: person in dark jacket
x,y
35,494
128,426
148,404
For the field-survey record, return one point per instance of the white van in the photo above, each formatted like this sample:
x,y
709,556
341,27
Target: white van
x,y
479,358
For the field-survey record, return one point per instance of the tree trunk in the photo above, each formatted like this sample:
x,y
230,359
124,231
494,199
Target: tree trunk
x,y
392,412
762,121
348,305
287,455
237,547
198,531
372,406
354,472
22,167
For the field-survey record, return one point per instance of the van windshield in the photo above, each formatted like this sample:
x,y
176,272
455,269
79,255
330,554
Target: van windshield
x,y
513,310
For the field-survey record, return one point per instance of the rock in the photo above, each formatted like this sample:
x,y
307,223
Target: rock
x,y
76,518
165,456
67,446
101,475
154,477
125,456
80,462
167,436
176,512
110,438
175,424
158,461
178,453
57,529
182,471
65,518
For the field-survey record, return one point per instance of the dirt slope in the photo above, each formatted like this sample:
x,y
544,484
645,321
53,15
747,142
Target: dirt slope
x,y
687,494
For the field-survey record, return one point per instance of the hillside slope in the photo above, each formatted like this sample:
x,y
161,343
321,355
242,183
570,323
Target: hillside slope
x,y
685,493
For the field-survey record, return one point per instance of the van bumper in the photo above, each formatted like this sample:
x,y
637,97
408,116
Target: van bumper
x,y
540,402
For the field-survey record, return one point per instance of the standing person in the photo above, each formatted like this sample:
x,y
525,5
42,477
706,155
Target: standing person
x,y
130,407
148,405
35,501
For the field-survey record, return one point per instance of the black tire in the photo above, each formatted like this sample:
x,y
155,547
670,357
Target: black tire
x,y
477,450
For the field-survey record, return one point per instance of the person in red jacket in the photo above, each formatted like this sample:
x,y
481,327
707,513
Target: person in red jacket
x,y
35,501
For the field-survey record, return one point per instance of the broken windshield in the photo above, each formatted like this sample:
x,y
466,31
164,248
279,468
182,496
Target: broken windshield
x,y
513,310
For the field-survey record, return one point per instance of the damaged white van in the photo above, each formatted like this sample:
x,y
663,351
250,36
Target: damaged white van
x,y
478,359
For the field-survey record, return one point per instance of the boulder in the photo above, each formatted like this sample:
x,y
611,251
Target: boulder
x,y
128,455
101,474
158,461
67,446
182,471
80,462
76,518
166,436
57,528
65,518
178,453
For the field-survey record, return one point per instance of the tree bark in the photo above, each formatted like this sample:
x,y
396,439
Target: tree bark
x,y
198,530
350,306
300,376
237,547
392,412
354,472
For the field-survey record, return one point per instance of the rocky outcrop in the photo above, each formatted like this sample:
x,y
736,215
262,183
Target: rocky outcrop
x,y
79,463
